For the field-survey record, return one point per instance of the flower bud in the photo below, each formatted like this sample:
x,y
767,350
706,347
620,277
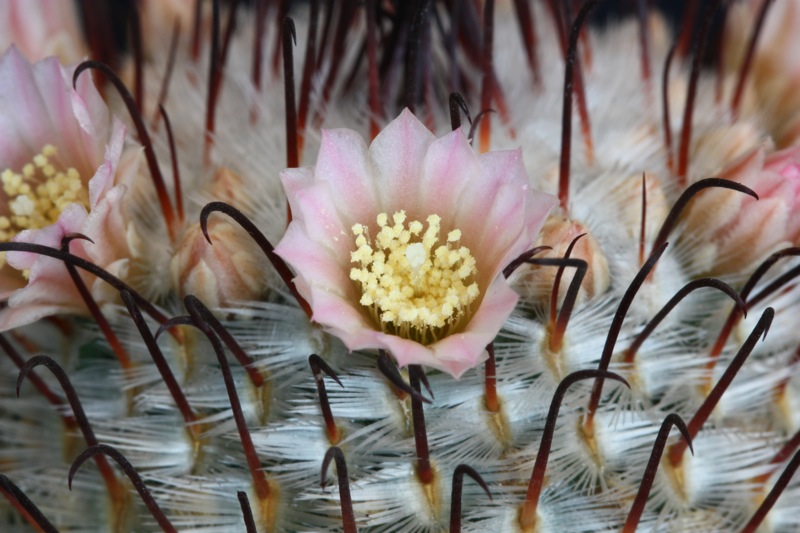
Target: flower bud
x,y
229,270
558,233
732,229
227,186
715,149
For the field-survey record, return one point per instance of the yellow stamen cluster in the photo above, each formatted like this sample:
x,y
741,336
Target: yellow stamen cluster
x,y
37,195
415,288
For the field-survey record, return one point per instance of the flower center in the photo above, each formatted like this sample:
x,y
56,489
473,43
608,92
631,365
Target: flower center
x,y
37,195
415,289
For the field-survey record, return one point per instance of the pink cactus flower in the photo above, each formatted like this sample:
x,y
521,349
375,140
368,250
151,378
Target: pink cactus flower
x,y
740,230
62,164
401,246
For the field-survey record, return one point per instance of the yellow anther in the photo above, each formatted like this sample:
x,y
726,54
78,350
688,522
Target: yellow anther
x,y
36,196
415,286
416,255
22,205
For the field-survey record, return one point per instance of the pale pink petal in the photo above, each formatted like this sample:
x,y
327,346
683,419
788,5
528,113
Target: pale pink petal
x,y
319,216
342,319
104,179
295,179
64,109
497,170
343,162
39,107
322,270
498,302
41,28
538,207
71,220
396,155
504,225
406,352
92,117
511,213
49,285
107,225
786,163
326,286
449,163
27,311
127,169
24,125
49,289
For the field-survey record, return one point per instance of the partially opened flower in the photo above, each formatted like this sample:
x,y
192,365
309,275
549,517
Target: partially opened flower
x,y
62,162
738,230
221,274
400,246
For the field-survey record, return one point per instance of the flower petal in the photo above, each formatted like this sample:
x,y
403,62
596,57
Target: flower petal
x,y
511,213
343,163
294,180
396,155
317,213
103,180
320,267
449,162
23,123
49,289
41,28
71,220
39,107
467,349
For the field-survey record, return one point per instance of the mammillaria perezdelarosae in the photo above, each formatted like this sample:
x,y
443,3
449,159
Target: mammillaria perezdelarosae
x,y
545,430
